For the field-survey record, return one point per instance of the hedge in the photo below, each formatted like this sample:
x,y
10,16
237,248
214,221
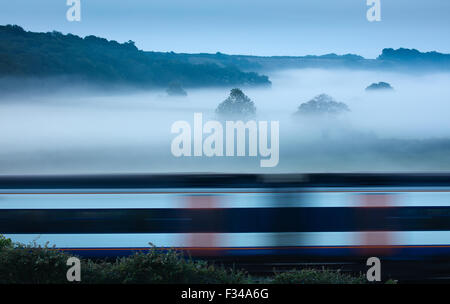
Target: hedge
x,y
35,264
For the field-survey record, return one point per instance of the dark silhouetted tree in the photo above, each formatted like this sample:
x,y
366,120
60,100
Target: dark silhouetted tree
x,y
237,105
322,104
379,86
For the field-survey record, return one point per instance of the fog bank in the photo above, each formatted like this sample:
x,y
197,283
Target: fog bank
x,y
78,132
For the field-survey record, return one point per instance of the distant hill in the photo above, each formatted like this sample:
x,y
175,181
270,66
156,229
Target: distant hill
x,y
413,58
400,59
95,59
267,63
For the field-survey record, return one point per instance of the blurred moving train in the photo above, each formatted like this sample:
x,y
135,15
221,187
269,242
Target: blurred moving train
x,y
314,215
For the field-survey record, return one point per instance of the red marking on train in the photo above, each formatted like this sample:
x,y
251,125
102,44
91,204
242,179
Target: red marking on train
x,y
376,200
202,201
203,240
376,242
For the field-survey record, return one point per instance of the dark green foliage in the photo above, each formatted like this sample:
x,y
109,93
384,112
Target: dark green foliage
x,y
322,104
107,62
32,264
157,267
379,86
5,242
237,105
315,276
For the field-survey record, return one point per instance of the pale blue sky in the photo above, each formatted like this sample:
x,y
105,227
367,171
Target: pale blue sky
x,y
257,27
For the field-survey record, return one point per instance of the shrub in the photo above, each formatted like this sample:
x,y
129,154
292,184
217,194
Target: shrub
x,y
315,276
158,267
32,264
5,242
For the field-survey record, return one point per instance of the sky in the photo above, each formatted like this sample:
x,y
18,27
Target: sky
x,y
253,27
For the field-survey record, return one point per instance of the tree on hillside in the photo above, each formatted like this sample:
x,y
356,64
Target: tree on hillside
x,y
237,104
322,104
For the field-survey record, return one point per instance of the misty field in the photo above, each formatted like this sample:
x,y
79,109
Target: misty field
x,y
78,131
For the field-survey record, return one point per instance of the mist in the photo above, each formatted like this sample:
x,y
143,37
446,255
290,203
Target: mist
x,y
81,131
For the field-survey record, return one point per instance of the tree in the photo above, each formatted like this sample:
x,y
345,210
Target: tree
x,y
322,104
379,86
237,104
175,89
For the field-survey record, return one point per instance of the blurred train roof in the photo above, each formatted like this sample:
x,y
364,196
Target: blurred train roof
x,y
222,180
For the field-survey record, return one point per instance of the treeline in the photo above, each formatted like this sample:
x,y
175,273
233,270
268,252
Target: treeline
x,y
413,58
389,59
53,54
264,63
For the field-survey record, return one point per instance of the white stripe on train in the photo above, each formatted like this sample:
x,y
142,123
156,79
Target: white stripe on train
x,y
246,198
395,238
